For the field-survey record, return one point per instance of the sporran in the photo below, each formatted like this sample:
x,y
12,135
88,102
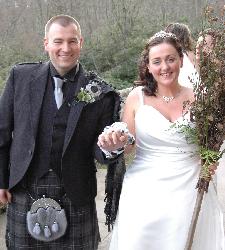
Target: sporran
x,y
46,220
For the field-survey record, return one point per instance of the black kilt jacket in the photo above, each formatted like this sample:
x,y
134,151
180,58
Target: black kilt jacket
x,y
20,106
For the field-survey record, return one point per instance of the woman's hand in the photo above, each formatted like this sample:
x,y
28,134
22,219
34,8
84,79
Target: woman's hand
x,y
213,168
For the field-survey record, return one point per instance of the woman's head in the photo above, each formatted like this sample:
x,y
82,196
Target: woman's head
x,y
206,42
160,61
183,34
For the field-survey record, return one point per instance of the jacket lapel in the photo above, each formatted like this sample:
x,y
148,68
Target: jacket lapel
x,y
37,90
75,110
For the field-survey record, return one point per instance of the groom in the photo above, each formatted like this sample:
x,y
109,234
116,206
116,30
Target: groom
x,y
50,117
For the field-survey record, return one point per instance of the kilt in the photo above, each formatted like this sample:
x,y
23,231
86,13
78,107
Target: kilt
x,y
82,232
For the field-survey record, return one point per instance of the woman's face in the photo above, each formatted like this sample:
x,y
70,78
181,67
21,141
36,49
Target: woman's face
x,y
164,64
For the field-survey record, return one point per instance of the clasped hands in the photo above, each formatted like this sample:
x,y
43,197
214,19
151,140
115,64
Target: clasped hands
x,y
114,138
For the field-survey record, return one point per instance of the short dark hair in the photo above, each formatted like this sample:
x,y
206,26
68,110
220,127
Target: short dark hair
x,y
63,20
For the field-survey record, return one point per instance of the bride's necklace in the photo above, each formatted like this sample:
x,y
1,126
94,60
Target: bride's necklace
x,y
168,99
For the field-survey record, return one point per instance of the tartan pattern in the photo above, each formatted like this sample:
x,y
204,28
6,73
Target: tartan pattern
x,y
82,232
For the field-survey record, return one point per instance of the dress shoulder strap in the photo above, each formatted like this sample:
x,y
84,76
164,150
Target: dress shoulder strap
x,y
141,96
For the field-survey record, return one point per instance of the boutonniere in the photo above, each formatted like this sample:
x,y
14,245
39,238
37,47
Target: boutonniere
x,y
90,93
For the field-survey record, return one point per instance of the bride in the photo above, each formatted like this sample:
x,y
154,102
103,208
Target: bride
x,y
158,194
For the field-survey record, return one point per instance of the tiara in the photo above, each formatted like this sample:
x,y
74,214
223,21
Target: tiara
x,y
163,34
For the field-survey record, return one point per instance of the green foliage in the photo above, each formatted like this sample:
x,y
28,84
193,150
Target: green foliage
x,y
183,19
115,55
189,131
115,81
84,96
14,55
208,157
3,75
112,51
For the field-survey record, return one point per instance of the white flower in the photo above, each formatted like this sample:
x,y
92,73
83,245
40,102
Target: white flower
x,y
94,89
90,94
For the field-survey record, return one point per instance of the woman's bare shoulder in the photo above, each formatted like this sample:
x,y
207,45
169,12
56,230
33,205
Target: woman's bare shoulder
x,y
133,100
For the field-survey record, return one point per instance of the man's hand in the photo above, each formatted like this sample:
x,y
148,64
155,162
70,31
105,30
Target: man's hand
x,y
5,196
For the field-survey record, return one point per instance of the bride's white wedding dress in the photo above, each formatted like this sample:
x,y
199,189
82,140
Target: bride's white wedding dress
x,y
158,194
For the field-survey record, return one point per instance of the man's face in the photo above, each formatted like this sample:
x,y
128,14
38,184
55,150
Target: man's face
x,y
63,45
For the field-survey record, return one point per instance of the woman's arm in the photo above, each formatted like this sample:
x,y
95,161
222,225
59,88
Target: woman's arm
x,y
116,139
130,107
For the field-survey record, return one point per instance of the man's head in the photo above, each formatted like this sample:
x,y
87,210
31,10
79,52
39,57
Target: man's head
x,y
63,42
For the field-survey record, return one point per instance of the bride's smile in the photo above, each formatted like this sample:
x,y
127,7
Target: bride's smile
x,y
164,64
